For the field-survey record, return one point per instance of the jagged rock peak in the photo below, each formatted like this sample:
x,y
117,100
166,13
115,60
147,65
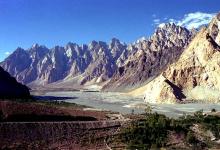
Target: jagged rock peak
x,y
195,75
36,45
115,41
101,43
214,29
141,40
98,61
170,28
145,59
19,49
71,45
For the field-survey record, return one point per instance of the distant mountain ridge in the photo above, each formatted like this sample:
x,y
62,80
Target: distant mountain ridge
x,y
115,66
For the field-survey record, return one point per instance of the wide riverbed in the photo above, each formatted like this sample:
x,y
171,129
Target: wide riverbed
x,y
126,104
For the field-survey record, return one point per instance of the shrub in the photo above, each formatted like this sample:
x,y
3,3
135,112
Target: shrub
x,y
213,110
147,133
152,131
190,138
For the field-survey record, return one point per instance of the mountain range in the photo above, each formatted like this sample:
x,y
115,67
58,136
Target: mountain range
x,y
174,64
194,76
114,66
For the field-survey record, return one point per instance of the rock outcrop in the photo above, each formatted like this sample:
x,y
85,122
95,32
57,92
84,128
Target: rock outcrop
x,y
10,88
196,75
159,89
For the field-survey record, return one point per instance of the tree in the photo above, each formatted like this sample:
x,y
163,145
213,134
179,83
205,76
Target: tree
x,y
148,108
213,110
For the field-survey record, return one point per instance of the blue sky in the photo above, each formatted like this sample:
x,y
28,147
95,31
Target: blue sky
x,y
56,22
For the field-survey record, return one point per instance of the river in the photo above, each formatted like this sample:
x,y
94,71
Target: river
x,y
126,104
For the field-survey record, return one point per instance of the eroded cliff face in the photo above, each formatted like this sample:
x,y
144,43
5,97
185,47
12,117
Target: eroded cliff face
x,y
151,57
196,74
10,88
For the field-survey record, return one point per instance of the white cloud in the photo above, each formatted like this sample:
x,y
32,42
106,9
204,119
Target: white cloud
x,y
165,18
195,20
7,53
156,21
171,20
190,20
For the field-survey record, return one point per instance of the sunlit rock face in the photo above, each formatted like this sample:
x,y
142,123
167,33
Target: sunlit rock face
x,y
40,65
197,72
148,58
115,66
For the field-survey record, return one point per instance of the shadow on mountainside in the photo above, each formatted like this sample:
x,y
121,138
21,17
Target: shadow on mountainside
x,y
177,91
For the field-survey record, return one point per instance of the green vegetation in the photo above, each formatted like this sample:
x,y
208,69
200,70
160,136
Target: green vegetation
x,y
190,138
153,131
213,110
146,133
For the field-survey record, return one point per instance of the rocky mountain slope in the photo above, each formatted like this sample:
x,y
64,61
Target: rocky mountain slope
x,y
40,65
10,88
195,76
116,65
151,57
